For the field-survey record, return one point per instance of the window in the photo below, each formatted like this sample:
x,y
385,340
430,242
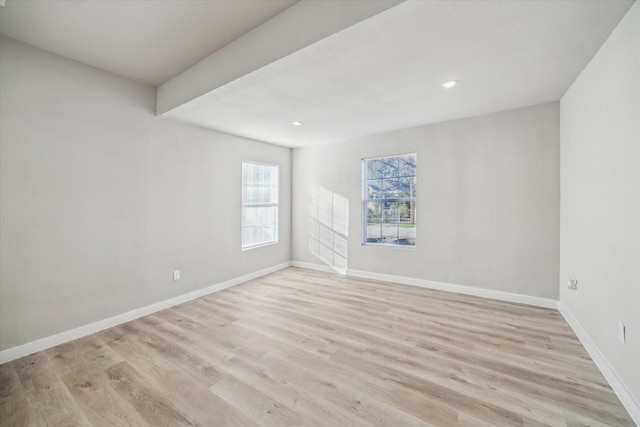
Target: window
x,y
389,200
259,204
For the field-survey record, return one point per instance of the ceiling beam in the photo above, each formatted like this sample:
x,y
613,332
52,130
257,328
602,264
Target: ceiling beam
x,y
302,25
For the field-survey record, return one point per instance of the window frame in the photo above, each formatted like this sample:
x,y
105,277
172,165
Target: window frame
x,y
366,200
245,205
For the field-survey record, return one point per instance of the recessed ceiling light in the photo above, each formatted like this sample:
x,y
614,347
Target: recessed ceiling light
x,y
449,84
296,123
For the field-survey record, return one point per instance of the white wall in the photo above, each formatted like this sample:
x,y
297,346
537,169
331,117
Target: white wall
x,y
600,209
100,200
488,200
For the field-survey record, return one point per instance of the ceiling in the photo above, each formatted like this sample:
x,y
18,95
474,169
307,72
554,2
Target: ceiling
x,y
149,41
381,73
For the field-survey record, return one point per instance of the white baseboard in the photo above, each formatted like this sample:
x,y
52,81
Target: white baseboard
x,y
82,331
460,289
608,372
448,287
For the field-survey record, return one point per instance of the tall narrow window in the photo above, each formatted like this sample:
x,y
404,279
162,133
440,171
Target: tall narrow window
x,y
389,200
259,204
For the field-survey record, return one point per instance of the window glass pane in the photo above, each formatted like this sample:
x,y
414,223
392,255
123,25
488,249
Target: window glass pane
x,y
259,204
390,189
390,212
406,187
373,227
272,194
389,200
374,189
389,234
374,233
390,168
248,217
405,214
374,210
373,169
269,233
269,215
406,166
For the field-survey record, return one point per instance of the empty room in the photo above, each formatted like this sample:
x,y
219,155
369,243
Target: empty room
x,y
320,213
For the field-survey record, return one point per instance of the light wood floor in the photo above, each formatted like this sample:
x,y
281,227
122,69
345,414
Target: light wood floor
x,y
303,348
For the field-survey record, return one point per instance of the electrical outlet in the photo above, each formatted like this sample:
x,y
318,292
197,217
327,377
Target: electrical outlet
x,y
176,275
572,284
621,332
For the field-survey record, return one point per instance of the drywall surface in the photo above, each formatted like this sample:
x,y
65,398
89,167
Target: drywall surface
x,y
487,200
600,208
100,200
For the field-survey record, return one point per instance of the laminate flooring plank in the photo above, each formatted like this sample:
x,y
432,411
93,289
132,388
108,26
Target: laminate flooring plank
x,y
360,404
454,376
545,401
99,402
415,359
246,339
324,345
154,407
419,298
213,344
363,323
382,321
246,309
50,402
575,394
496,367
261,408
446,397
204,310
586,366
536,360
258,375
460,320
331,329
358,329
311,407
14,407
440,370
142,342
384,291
85,352
287,347
308,348
189,394
397,323
293,338
548,319
375,388
543,311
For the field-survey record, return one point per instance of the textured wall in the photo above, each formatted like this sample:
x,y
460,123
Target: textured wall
x,y
600,210
487,208
101,200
